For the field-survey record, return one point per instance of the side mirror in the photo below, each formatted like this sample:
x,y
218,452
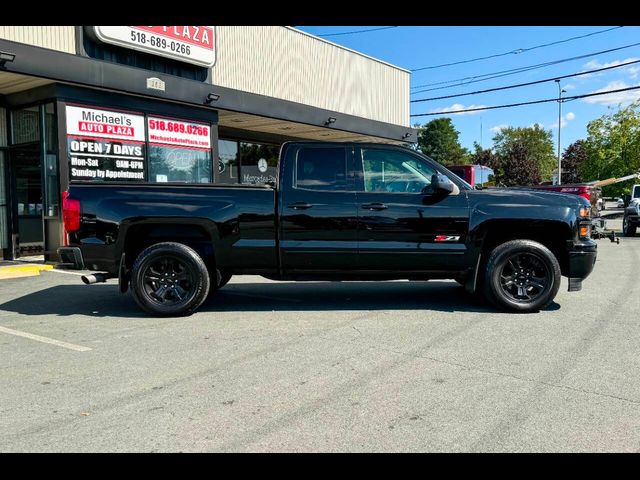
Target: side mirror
x,y
440,185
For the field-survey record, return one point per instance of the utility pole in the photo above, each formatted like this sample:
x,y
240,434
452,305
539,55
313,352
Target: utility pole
x,y
560,92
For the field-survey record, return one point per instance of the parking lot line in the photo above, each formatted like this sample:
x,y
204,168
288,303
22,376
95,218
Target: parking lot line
x,y
55,270
38,338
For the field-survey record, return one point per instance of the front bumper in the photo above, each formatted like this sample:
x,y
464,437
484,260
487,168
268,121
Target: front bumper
x,y
71,257
582,259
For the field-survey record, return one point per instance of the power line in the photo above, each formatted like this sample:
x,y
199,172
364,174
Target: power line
x,y
504,73
565,99
517,51
355,31
525,84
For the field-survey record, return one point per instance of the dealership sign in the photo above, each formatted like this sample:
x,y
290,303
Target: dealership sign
x,y
168,131
104,144
191,44
91,122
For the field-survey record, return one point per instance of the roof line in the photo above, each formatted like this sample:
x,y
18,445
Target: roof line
x,y
348,49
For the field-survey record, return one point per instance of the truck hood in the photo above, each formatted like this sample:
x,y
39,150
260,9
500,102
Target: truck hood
x,y
518,196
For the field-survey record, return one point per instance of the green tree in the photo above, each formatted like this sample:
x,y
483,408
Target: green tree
x,y
572,159
439,140
537,144
613,148
518,166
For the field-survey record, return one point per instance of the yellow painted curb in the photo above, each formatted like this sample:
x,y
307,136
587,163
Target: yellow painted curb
x,y
18,271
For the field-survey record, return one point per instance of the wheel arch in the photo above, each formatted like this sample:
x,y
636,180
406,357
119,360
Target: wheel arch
x,y
200,234
486,236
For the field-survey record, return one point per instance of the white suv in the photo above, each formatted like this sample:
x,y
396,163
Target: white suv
x,y
631,218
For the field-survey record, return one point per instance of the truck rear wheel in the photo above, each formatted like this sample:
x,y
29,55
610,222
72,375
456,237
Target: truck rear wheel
x,y
521,276
628,229
169,279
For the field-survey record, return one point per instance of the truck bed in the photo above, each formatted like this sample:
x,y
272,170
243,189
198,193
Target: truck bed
x,y
239,219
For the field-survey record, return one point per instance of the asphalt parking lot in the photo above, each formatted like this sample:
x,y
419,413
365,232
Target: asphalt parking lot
x,y
268,366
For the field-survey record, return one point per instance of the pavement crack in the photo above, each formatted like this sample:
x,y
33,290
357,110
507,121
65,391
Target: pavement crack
x,y
517,377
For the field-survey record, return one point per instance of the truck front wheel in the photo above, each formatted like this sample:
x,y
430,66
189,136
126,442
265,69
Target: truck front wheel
x,y
169,279
522,276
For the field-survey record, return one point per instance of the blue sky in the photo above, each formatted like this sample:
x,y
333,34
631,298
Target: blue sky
x,y
416,47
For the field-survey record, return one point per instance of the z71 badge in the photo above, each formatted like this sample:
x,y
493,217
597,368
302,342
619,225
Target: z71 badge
x,y
447,238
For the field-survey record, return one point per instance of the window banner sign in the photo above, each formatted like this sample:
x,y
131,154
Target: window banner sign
x,y
182,134
105,145
190,44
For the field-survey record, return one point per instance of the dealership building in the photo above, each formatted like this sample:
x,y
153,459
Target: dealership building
x,y
194,104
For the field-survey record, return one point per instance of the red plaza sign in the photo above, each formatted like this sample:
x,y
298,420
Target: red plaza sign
x,y
191,44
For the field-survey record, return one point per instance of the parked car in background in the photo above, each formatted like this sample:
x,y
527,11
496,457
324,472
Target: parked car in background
x,y
592,193
631,218
474,175
620,203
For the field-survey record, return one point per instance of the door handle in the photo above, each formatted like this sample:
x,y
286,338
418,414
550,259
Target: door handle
x,y
300,205
374,206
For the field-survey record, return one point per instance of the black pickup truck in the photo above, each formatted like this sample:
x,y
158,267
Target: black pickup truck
x,y
339,211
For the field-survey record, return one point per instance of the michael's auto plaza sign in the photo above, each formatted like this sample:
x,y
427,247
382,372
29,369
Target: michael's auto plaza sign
x,y
191,44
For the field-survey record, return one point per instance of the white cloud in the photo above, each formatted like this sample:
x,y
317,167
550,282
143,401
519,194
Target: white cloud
x,y
569,86
457,107
595,64
498,128
614,98
563,121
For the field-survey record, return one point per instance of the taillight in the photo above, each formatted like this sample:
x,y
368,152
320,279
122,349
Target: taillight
x,y
70,213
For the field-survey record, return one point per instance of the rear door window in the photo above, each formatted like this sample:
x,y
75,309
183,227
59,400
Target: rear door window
x,y
321,169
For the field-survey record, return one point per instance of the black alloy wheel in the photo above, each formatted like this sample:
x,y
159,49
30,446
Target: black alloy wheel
x,y
169,279
524,277
521,276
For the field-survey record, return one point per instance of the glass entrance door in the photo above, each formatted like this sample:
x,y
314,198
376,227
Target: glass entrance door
x,y
26,166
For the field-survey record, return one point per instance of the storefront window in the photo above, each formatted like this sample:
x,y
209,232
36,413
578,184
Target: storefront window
x,y
3,205
52,184
259,163
3,127
228,161
25,125
179,150
175,164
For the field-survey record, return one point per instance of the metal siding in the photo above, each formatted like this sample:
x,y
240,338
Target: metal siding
x,y
283,63
61,38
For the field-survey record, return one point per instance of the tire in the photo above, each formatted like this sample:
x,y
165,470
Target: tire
x,y
169,280
521,276
628,229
